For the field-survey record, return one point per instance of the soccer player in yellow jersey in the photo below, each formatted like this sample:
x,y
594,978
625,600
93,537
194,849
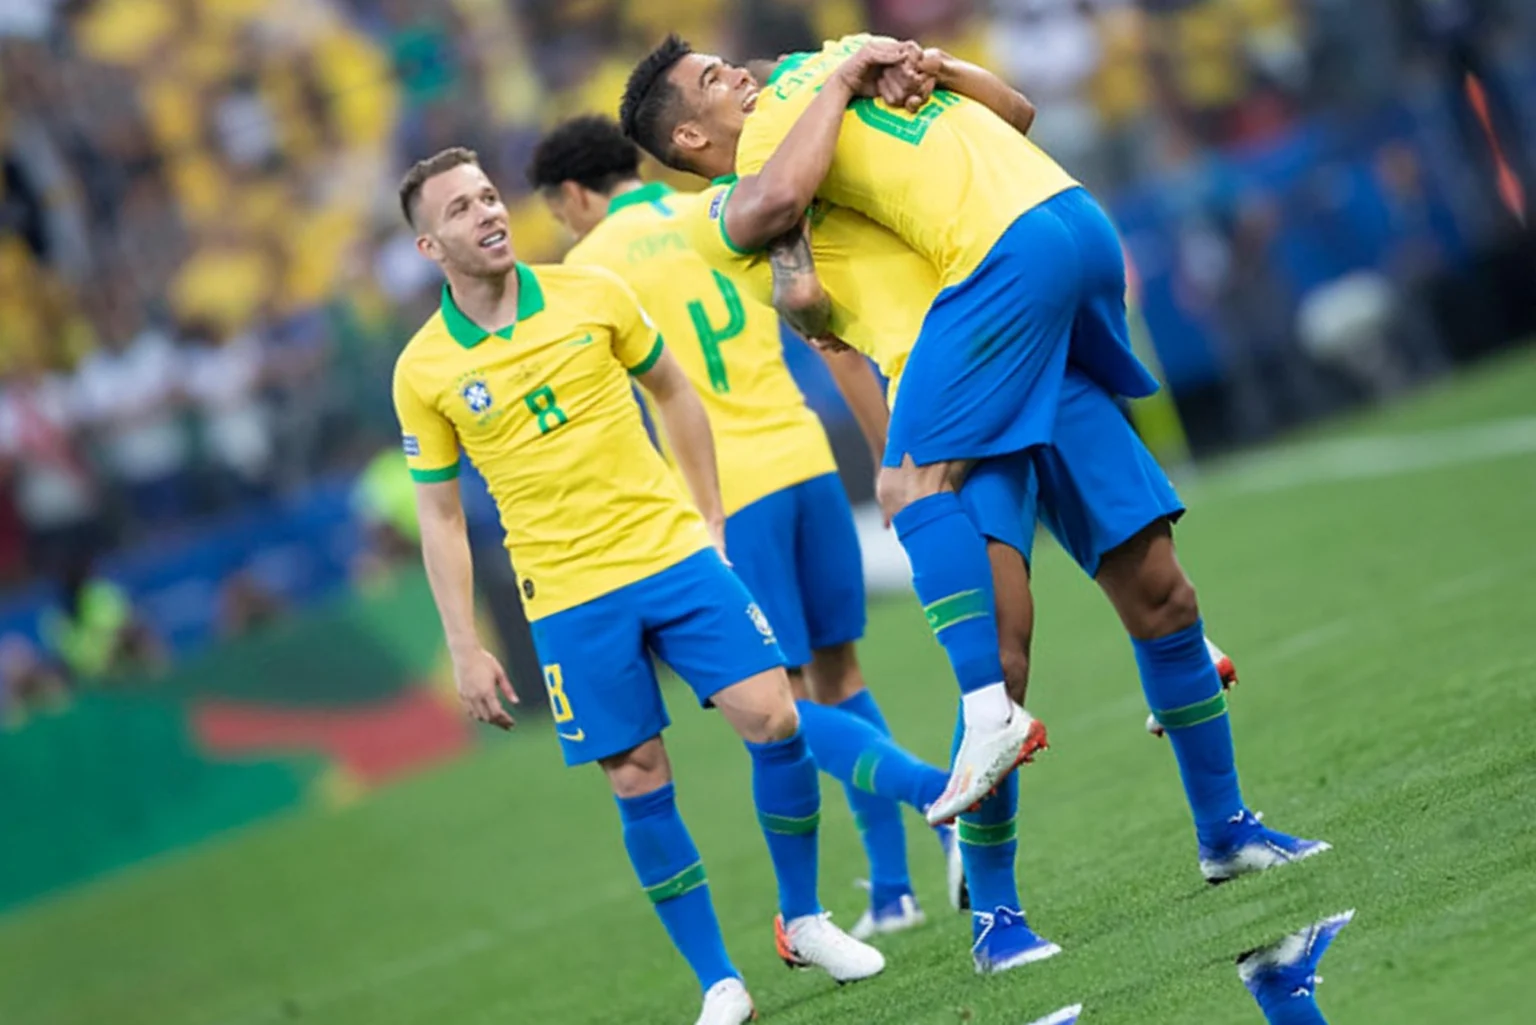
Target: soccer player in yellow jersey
x,y
789,527
526,370
1017,368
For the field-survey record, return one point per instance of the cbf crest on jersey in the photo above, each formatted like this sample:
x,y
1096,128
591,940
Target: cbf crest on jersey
x,y
477,395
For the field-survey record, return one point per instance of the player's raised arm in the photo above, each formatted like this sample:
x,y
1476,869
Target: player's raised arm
x,y
431,451
686,424
972,81
766,205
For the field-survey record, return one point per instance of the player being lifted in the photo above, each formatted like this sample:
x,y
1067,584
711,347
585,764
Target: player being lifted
x,y
527,370
1015,371
789,527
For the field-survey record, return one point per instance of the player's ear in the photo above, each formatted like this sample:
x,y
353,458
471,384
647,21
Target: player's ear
x,y
689,137
427,246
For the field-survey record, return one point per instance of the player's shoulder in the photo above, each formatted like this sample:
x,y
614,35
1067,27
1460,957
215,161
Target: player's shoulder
x,y
427,340
584,287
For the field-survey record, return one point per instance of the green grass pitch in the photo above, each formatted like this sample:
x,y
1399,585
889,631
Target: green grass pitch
x,y
1384,626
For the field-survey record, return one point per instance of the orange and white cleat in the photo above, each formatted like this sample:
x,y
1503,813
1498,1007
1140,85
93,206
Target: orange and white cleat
x,y
1224,668
812,941
984,760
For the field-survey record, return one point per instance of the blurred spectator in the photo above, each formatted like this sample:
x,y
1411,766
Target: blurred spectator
x,y
247,604
55,495
30,684
131,395
94,630
223,381
384,500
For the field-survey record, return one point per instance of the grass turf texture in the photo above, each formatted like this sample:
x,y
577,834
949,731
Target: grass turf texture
x,y
1382,630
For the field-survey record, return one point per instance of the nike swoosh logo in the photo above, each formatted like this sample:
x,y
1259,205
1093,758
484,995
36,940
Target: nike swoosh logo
x,y
574,738
585,339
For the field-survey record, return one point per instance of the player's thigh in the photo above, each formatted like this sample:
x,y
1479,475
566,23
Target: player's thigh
x,y
1099,484
987,363
1000,497
760,542
829,564
603,693
701,620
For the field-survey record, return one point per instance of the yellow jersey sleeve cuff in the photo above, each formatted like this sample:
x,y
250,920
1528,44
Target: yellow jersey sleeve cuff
x,y
725,236
435,476
646,364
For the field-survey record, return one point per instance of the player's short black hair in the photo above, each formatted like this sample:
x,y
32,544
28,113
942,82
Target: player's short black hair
x,y
431,167
652,105
590,150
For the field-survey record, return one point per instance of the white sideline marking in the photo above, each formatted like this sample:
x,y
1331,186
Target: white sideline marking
x,y
1374,457
886,567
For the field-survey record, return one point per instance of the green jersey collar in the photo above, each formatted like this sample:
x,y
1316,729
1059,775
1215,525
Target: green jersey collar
x,y
530,300
725,179
649,193
787,65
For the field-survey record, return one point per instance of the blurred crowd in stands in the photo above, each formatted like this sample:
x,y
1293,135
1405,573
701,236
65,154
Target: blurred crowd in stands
x,y
203,277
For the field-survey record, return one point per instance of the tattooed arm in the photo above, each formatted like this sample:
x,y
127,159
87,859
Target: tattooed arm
x,y
797,292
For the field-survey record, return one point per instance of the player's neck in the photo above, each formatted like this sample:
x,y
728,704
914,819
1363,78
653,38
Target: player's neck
x,y
490,302
623,188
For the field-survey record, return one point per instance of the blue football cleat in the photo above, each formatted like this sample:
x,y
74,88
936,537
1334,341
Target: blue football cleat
x,y
1004,940
1246,846
1287,970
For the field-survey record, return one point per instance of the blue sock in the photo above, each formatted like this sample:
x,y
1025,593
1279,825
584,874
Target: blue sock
x,y
989,845
864,706
1292,1010
953,580
669,868
788,799
1184,691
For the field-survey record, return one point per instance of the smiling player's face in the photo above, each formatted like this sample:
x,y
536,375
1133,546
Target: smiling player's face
x,y
719,96
464,223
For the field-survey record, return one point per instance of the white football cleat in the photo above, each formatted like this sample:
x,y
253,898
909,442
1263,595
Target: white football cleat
x,y
985,758
1224,668
899,916
812,941
954,869
727,1003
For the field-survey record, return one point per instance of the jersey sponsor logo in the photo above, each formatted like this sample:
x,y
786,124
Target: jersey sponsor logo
x,y
527,588
411,444
761,622
476,395
716,203
575,738
585,339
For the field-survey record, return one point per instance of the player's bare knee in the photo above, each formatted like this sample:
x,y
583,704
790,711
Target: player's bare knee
x,y
780,723
638,771
1164,607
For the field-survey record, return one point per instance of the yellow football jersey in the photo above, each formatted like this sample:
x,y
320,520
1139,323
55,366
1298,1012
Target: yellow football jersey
x,y
766,437
948,180
879,286
545,412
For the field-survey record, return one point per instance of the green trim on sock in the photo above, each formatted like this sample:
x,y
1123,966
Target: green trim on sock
x,y
955,608
1194,715
686,881
987,836
787,826
864,772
